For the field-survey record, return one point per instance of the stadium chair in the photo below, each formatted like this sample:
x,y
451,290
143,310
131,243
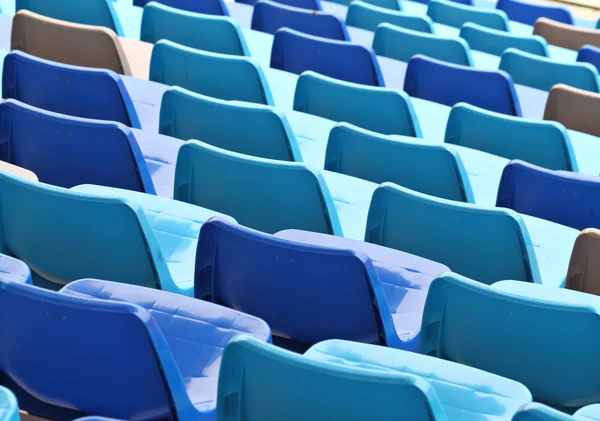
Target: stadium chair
x,y
541,143
540,412
262,194
295,52
528,13
493,41
14,270
589,54
402,44
90,12
395,5
65,89
9,407
507,329
575,108
453,233
563,197
449,84
216,75
21,172
353,103
302,4
424,167
465,393
454,14
115,350
565,35
259,130
68,43
216,34
67,151
588,413
366,16
270,16
543,73
584,269
372,294
205,7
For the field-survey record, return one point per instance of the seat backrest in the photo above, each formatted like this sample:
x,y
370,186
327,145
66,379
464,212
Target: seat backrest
x,y
302,4
296,52
564,35
367,16
205,7
543,72
337,283
393,5
589,54
556,365
495,42
584,266
263,194
63,235
287,380
353,103
424,167
559,196
454,14
449,84
21,172
575,108
542,143
270,16
243,127
540,412
528,13
217,75
72,90
9,407
402,44
68,151
69,43
217,34
486,244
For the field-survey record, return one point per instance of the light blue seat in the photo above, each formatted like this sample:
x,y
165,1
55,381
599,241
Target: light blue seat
x,y
354,103
487,244
263,194
367,16
512,329
543,73
217,75
217,34
589,54
206,7
495,41
396,5
527,13
540,412
14,270
298,388
270,16
453,14
9,407
543,143
466,394
402,44
243,127
588,413
425,167
141,353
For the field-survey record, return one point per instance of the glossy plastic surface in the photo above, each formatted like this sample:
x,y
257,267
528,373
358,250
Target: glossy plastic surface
x,y
367,16
205,7
495,42
9,407
454,14
14,270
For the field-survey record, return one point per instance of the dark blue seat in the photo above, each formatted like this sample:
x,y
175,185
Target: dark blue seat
x,y
206,7
449,84
528,13
302,4
589,54
296,52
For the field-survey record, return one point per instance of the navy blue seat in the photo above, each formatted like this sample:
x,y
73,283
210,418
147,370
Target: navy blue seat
x,y
528,13
296,52
207,7
589,54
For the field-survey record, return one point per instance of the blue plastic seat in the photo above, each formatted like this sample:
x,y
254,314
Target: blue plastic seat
x,y
367,16
528,13
483,243
425,167
89,12
270,16
140,353
354,103
9,407
543,73
563,197
263,194
14,270
216,34
302,4
296,52
65,89
67,151
205,7
543,143
513,329
589,54
372,294
217,75
495,42
402,44
449,84
588,413
251,129
454,14
540,412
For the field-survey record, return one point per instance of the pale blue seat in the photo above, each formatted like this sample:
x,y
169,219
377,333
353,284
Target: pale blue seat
x,y
397,5
527,13
494,41
14,270
540,412
453,14
588,413
9,407
206,7
367,16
